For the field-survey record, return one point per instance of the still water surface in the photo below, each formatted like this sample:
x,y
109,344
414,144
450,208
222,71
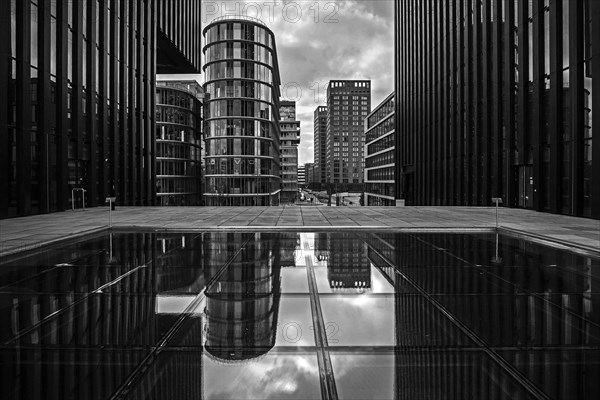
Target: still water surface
x,y
224,315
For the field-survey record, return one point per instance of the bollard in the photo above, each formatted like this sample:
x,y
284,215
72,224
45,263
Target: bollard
x,y
110,201
497,200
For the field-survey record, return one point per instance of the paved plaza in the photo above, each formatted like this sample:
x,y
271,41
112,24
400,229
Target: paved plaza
x,y
29,232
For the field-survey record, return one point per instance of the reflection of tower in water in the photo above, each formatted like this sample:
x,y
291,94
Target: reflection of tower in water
x,y
347,266
242,304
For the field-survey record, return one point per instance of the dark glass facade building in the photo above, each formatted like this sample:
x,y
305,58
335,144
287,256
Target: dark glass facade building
x,y
320,143
178,143
495,99
77,90
348,103
380,155
241,113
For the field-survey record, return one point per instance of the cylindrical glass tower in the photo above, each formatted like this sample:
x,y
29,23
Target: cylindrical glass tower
x,y
178,143
241,114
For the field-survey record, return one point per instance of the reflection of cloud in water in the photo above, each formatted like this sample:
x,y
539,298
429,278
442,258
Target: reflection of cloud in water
x,y
271,377
362,320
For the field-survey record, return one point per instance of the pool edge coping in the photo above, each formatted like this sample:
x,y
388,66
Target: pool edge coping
x,y
521,234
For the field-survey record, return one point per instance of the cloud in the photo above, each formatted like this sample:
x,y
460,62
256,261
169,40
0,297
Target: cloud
x,y
318,41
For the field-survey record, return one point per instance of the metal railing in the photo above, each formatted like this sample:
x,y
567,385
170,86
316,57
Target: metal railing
x,y
238,18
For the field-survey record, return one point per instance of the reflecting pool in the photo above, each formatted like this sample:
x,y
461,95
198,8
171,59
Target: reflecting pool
x,y
220,315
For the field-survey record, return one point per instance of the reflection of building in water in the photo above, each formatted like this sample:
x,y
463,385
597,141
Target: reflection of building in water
x,y
348,266
538,298
242,305
289,248
94,340
321,247
179,263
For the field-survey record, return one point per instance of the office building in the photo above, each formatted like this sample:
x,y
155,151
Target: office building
x,y
320,143
348,103
290,139
309,174
301,175
77,89
494,99
241,113
380,155
178,143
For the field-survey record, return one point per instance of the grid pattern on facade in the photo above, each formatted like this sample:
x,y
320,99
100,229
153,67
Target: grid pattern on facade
x,y
178,143
241,114
290,139
320,140
77,85
380,155
348,103
178,50
495,99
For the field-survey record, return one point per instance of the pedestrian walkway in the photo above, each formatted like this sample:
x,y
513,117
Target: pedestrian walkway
x,y
26,232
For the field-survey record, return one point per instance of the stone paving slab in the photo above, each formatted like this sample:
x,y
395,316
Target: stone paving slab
x,y
26,232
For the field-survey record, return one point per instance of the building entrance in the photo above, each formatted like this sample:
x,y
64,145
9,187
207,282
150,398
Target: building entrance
x,y
525,189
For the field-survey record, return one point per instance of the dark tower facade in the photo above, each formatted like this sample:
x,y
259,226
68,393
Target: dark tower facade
x,y
241,113
77,97
495,99
320,139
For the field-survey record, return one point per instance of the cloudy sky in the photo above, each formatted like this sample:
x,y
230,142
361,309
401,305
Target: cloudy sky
x,y
320,40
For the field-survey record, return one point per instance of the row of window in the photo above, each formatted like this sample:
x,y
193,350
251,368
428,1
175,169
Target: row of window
x,y
242,146
238,127
238,31
179,134
238,50
381,159
381,112
239,70
383,174
385,127
254,90
179,167
383,144
177,150
175,115
176,98
237,108
241,166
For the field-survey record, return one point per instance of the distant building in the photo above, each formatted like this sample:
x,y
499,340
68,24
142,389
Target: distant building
x,y
309,171
320,145
496,101
290,139
348,103
241,114
178,143
301,175
380,155
77,89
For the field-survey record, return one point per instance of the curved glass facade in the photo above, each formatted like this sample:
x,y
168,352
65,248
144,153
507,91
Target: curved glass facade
x,y
241,114
178,144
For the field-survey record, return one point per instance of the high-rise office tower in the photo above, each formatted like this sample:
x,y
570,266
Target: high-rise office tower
x,y
77,97
348,103
320,143
290,139
241,113
495,99
178,143
309,174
